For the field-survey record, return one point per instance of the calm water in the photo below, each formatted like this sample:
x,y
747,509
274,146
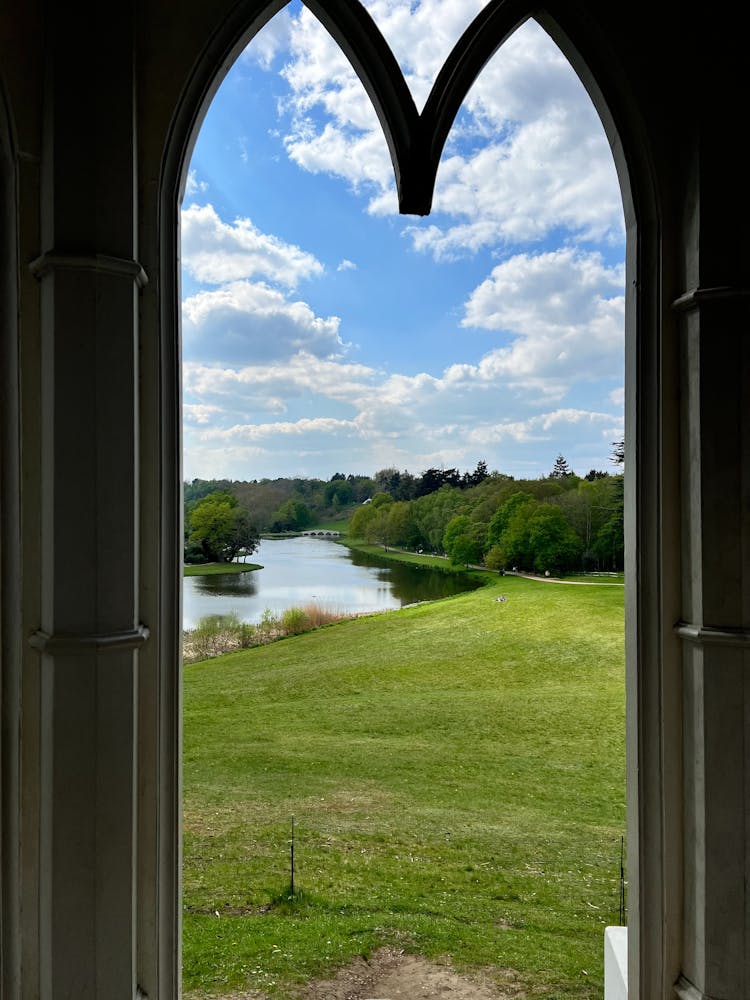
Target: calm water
x,y
299,570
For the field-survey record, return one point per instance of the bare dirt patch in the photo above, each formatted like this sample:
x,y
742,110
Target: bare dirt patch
x,y
389,974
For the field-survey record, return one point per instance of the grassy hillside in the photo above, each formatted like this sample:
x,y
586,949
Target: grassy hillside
x,y
456,773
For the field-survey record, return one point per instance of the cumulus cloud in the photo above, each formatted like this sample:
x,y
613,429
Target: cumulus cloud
x,y
302,373
539,426
559,315
244,433
243,319
269,388
272,40
527,155
368,418
214,251
550,173
565,310
199,413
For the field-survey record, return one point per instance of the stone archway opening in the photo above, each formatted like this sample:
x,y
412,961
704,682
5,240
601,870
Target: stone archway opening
x,y
394,114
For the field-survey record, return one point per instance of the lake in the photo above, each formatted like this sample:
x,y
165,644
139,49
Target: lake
x,y
297,571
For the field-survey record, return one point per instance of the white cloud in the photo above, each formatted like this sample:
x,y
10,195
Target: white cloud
x,y
361,158
193,185
422,35
560,315
549,173
618,396
269,389
270,41
244,433
565,310
249,320
527,155
215,252
199,413
365,419
334,380
538,427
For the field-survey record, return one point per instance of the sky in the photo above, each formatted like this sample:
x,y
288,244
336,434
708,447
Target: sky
x,y
323,332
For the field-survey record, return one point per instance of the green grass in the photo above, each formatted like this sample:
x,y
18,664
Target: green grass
x,y
400,555
215,569
456,771
618,578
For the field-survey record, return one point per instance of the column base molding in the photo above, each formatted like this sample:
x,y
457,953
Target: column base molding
x,y
685,990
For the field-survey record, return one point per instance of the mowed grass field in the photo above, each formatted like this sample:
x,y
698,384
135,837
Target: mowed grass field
x,y
456,774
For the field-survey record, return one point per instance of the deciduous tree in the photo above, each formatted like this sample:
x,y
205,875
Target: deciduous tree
x,y
221,528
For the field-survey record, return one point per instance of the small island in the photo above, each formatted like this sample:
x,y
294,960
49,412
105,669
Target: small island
x,y
216,568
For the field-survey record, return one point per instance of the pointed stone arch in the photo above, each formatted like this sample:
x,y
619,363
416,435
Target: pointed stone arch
x,y
415,142
91,176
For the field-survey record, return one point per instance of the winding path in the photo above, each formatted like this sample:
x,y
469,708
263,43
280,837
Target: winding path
x,y
571,583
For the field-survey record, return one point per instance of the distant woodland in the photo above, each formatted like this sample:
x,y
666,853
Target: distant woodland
x,y
558,523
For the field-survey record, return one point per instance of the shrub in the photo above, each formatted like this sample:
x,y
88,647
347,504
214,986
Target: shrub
x,y
294,621
217,634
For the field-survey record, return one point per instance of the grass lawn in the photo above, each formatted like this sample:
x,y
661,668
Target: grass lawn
x,y
456,774
214,569
401,555
613,578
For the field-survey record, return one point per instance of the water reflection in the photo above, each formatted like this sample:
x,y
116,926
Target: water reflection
x,y
297,571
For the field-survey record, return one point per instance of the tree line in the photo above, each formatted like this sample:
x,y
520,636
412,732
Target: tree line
x,y
556,523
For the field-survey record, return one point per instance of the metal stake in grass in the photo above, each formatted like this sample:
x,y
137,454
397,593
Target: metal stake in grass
x,y
622,881
291,861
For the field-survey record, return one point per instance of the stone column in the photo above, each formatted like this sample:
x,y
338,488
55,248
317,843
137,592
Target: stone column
x,y
90,630
715,626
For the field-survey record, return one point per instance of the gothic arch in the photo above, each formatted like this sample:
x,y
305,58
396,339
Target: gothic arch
x,y
95,129
415,142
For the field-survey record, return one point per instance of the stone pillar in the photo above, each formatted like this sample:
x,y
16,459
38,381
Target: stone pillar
x,y
90,630
715,626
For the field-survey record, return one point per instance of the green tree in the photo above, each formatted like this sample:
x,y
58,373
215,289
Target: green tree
x,y
463,540
561,469
515,541
293,515
433,512
376,531
618,452
495,558
338,492
554,546
609,543
503,515
401,529
381,500
221,529
361,519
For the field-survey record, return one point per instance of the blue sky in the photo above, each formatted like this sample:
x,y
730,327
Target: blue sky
x,y
323,332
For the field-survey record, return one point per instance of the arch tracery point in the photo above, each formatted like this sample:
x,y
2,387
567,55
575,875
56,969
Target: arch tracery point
x,y
416,140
